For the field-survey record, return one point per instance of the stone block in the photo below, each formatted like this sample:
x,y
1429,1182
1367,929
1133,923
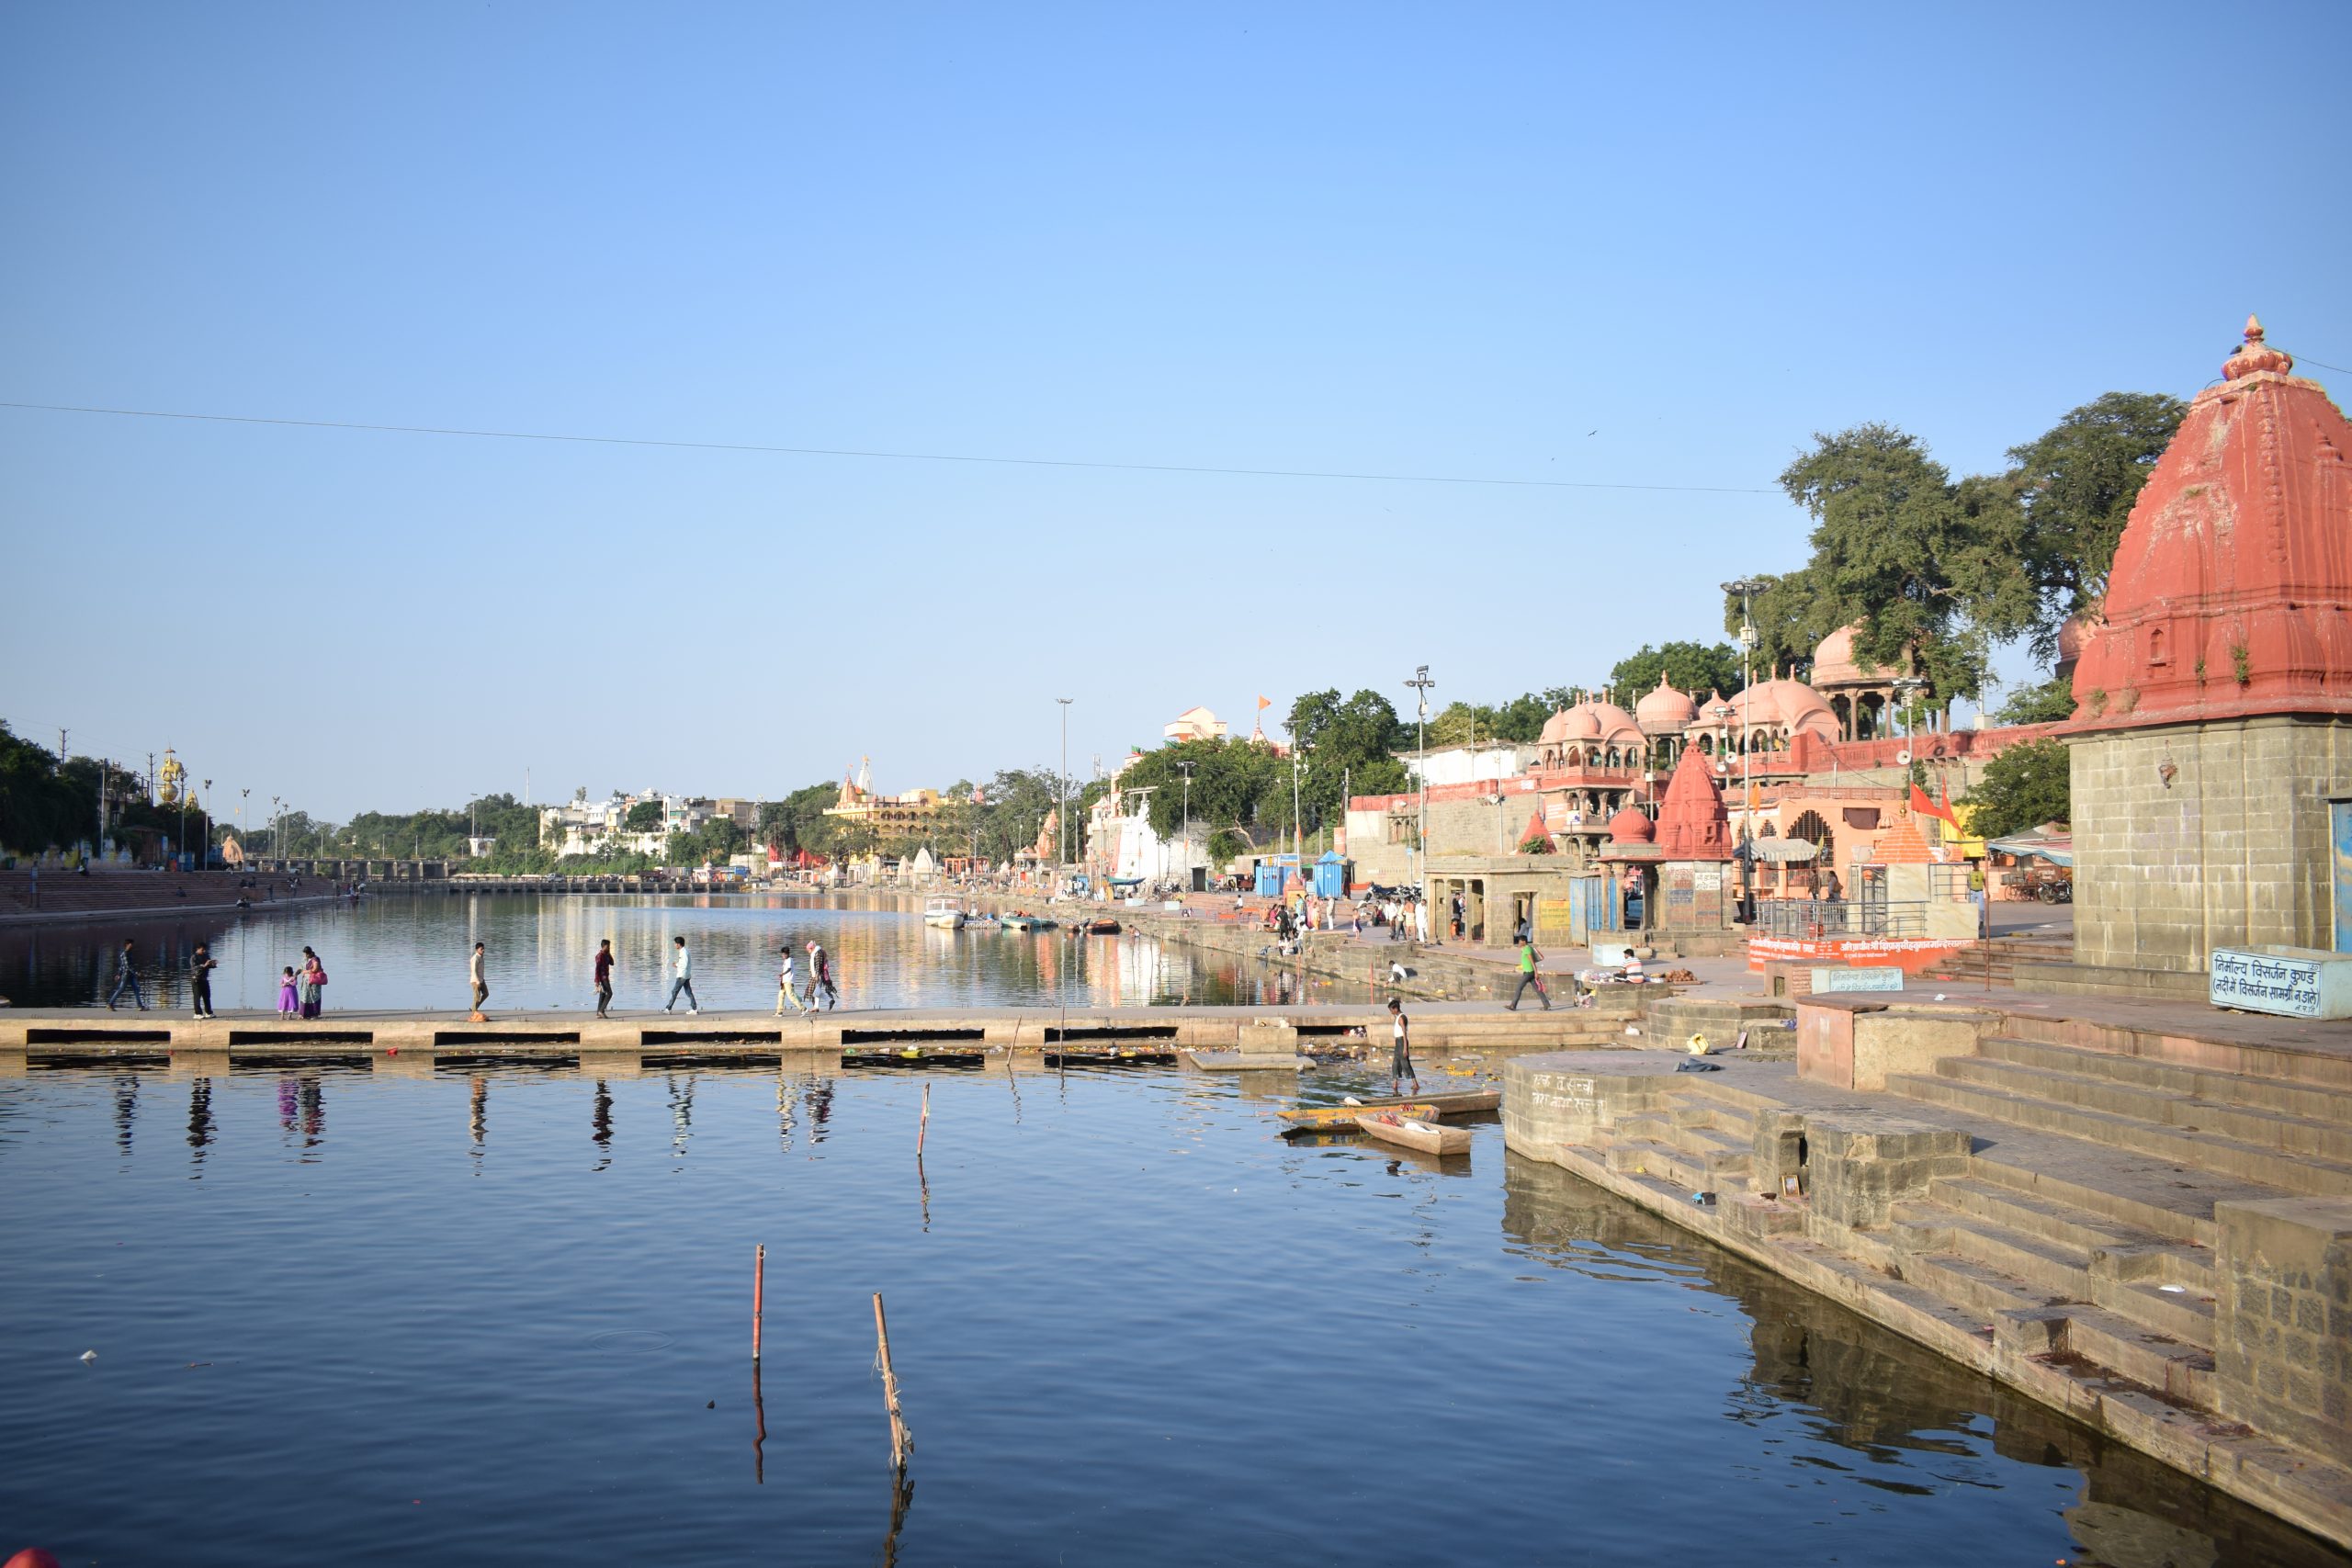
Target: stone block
x,y
1860,1163
2282,1357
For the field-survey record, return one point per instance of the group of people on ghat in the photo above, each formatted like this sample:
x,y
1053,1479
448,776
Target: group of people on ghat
x,y
823,989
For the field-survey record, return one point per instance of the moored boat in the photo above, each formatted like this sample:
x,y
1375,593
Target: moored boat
x,y
1429,1138
1343,1117
1021,921
946,914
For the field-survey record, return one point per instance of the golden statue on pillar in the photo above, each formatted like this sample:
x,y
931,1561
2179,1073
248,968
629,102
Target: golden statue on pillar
x,y
170,779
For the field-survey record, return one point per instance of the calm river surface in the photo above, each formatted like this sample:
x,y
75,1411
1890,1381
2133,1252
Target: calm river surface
x,y
403,952
504,1319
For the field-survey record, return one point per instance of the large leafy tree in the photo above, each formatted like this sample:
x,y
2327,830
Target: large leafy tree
x,y
1788,618
1928,568
2051,702
40,808
2076,482
1695,667
2023,787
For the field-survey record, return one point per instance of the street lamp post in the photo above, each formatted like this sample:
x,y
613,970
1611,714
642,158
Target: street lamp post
x,y
1421,683
205,862
1187,769
1746,588
1061,813
277,831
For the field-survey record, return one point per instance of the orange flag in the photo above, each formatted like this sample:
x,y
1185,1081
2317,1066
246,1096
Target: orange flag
x,y
1922,807
1264,702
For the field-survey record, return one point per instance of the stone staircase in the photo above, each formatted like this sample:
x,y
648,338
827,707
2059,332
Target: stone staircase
x,y
2073,1251
2083,1225
2001,957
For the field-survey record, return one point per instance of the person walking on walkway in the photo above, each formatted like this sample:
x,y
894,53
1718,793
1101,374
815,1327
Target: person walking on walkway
x,y
126,977
787,982
1528,959
820,978
682,975
604,975
200,966
480,982
1400,1055
1421,922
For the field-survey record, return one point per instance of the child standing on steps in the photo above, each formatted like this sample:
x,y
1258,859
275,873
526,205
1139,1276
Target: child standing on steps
x,y
289,1001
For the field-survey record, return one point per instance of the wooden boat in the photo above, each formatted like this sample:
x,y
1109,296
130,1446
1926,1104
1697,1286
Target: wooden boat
x,y
946,914
1345,1116
1102,927
1426,1137
1027,922
1460,1102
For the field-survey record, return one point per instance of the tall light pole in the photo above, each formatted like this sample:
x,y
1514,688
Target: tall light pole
x,y
1187,769
1746,588
277,831
206,862
1061,813
244,838
1421,683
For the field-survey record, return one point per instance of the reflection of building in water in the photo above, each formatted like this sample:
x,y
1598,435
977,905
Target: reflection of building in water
x,y
199,1119
1880,1395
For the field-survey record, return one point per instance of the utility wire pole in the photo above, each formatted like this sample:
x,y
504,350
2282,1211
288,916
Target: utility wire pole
x,y
1746,588
1061,813
1421,683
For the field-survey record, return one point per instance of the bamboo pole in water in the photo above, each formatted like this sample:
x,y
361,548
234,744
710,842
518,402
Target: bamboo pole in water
x,y
922,1126
759,1290
902,1442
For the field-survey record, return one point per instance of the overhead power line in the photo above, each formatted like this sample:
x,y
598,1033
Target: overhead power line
x,y
895,456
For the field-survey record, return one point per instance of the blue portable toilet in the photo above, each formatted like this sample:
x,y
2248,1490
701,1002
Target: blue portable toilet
x,y
1330,875
1270,878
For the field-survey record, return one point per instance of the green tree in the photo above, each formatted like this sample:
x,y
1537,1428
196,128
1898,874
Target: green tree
x,y
644,816
2076,484
2023,787
1927,568
1787,616
1694,667
41,807
2052,702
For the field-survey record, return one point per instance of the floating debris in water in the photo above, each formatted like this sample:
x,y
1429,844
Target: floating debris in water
x,y
88,1356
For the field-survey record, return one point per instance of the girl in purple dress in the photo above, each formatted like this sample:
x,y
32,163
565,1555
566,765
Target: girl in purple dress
x,y
287,998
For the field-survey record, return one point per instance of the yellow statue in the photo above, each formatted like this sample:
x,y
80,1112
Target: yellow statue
x,y
170,778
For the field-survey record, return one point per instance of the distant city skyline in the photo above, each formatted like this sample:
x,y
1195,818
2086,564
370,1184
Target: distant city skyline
x,y
1522,243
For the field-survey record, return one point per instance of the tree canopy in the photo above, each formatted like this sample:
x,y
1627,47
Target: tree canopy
x,y
2023,787
1695,667
2076,482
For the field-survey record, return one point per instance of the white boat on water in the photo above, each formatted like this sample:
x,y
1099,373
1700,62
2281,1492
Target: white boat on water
x,y
947,914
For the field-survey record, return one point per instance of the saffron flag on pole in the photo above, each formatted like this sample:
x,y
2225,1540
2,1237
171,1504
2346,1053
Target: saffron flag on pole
x,y
1923,806
1264,702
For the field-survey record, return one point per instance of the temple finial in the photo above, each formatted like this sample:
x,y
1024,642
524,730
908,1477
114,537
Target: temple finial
x,y
2256,355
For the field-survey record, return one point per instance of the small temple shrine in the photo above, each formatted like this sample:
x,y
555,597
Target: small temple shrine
x,y
2211,742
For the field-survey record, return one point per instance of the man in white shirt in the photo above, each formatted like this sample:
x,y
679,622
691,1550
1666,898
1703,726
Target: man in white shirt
x,y
682,976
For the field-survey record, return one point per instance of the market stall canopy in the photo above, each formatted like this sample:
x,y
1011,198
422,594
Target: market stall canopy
x,y
2058,849
1782,850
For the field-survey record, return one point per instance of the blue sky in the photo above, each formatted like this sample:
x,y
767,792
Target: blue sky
x,y
1621,245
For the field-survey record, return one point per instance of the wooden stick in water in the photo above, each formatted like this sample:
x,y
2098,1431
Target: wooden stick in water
x,y
759,1290
902,1442
922,1126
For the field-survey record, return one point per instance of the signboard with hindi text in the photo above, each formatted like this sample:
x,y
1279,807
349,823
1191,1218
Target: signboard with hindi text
x,y
2292,982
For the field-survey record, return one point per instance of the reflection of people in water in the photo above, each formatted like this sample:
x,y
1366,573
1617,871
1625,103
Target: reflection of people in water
x,y
478,1112
821,1108
199,1117
310,1094
285,1104
126,1110
600,1125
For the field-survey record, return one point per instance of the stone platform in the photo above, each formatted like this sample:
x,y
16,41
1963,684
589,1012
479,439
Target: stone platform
x,y
2136,1212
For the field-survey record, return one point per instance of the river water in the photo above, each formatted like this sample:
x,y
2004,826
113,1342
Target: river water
x,y
403,952
505,1318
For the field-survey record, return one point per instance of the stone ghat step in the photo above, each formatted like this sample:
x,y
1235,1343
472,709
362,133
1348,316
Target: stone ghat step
x,y
2161,1039
2182,1371
2171,1201
2128,1282
2307,1174
1721,1157
2056,1220
2171,1108
1683,1172
2250,1091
